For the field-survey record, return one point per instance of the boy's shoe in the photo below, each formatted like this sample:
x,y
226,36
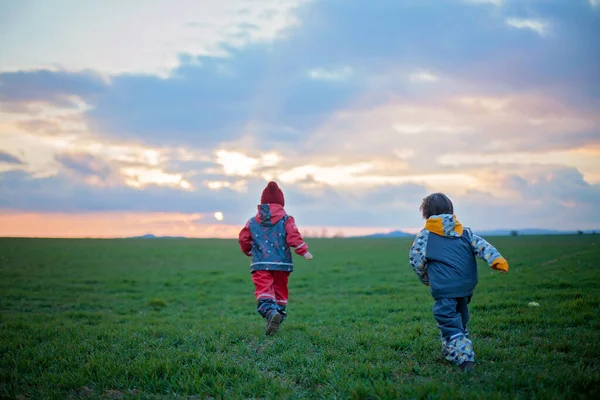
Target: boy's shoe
x,y
273,321
467,366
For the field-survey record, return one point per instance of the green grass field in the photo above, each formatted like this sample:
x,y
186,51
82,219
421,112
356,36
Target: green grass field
x,y
177,319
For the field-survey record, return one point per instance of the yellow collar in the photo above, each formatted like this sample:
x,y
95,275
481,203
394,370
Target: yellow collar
x,y
436,225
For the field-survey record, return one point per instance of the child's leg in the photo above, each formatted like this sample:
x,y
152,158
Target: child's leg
x,y
456,346
463,309
265,294
280,285
448,319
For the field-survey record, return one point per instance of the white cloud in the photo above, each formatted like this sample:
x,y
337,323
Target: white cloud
x,y
135,36
234,163
140,177
239,186
335,175
404,154
538,26
363,174
331,74
493,2
416,129
410,137
423,76
270,159
484,103
594,3
585,160
42,138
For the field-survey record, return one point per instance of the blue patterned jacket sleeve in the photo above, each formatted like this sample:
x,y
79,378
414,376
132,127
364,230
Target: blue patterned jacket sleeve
x,y
487,252
417,256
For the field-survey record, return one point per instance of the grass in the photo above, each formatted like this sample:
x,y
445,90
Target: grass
x,y
177,319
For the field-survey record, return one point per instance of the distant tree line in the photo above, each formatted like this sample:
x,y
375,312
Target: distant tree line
x,y
579,232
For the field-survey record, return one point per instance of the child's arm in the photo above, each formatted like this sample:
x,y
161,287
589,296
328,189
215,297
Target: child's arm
x,y
245,240
294,239
487,252
418,262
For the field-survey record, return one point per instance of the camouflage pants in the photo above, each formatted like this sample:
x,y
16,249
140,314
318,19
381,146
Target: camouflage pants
x,y
458,350
452,316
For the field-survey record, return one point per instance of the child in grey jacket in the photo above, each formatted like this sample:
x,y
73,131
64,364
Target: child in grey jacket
x,y
443,257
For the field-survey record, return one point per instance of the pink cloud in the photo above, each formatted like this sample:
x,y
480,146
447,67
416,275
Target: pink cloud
x,y
128,224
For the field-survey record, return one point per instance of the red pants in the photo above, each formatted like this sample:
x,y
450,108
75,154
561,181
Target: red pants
x,y
271,285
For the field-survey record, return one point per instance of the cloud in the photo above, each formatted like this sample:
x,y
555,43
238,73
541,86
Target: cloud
x,y
415,129
95,171
204,104
594,3
334,74
536,198
493,125
423,77
9,159
545,196
493,2
538,26
140,177
238,164
86,166
114,37
61,88
585,160
564,185
519,207
59,193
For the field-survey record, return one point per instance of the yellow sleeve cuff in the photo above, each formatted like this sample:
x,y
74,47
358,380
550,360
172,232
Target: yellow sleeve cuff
x,y
500,264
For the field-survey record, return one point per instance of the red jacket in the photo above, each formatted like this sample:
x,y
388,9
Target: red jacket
x,y
293,236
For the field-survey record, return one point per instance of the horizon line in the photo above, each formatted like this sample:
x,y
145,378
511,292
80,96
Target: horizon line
x,y
391,234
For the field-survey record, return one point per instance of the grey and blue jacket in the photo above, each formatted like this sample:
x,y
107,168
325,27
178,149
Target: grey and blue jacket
x,y
443,257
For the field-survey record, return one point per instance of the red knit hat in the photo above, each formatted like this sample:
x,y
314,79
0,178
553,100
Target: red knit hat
x,y
272,195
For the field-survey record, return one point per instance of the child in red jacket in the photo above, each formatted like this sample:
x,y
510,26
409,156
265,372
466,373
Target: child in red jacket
x,y
267,238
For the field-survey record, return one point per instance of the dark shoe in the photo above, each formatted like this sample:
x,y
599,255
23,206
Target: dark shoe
x,y
273,321
467,366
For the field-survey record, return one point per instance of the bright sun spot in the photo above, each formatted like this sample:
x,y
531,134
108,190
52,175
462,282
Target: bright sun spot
x,y
218,216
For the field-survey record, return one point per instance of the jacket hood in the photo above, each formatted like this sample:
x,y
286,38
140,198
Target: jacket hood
x,y
444,225
269,214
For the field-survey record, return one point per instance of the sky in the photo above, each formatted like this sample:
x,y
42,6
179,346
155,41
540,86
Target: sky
x,y
169,117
